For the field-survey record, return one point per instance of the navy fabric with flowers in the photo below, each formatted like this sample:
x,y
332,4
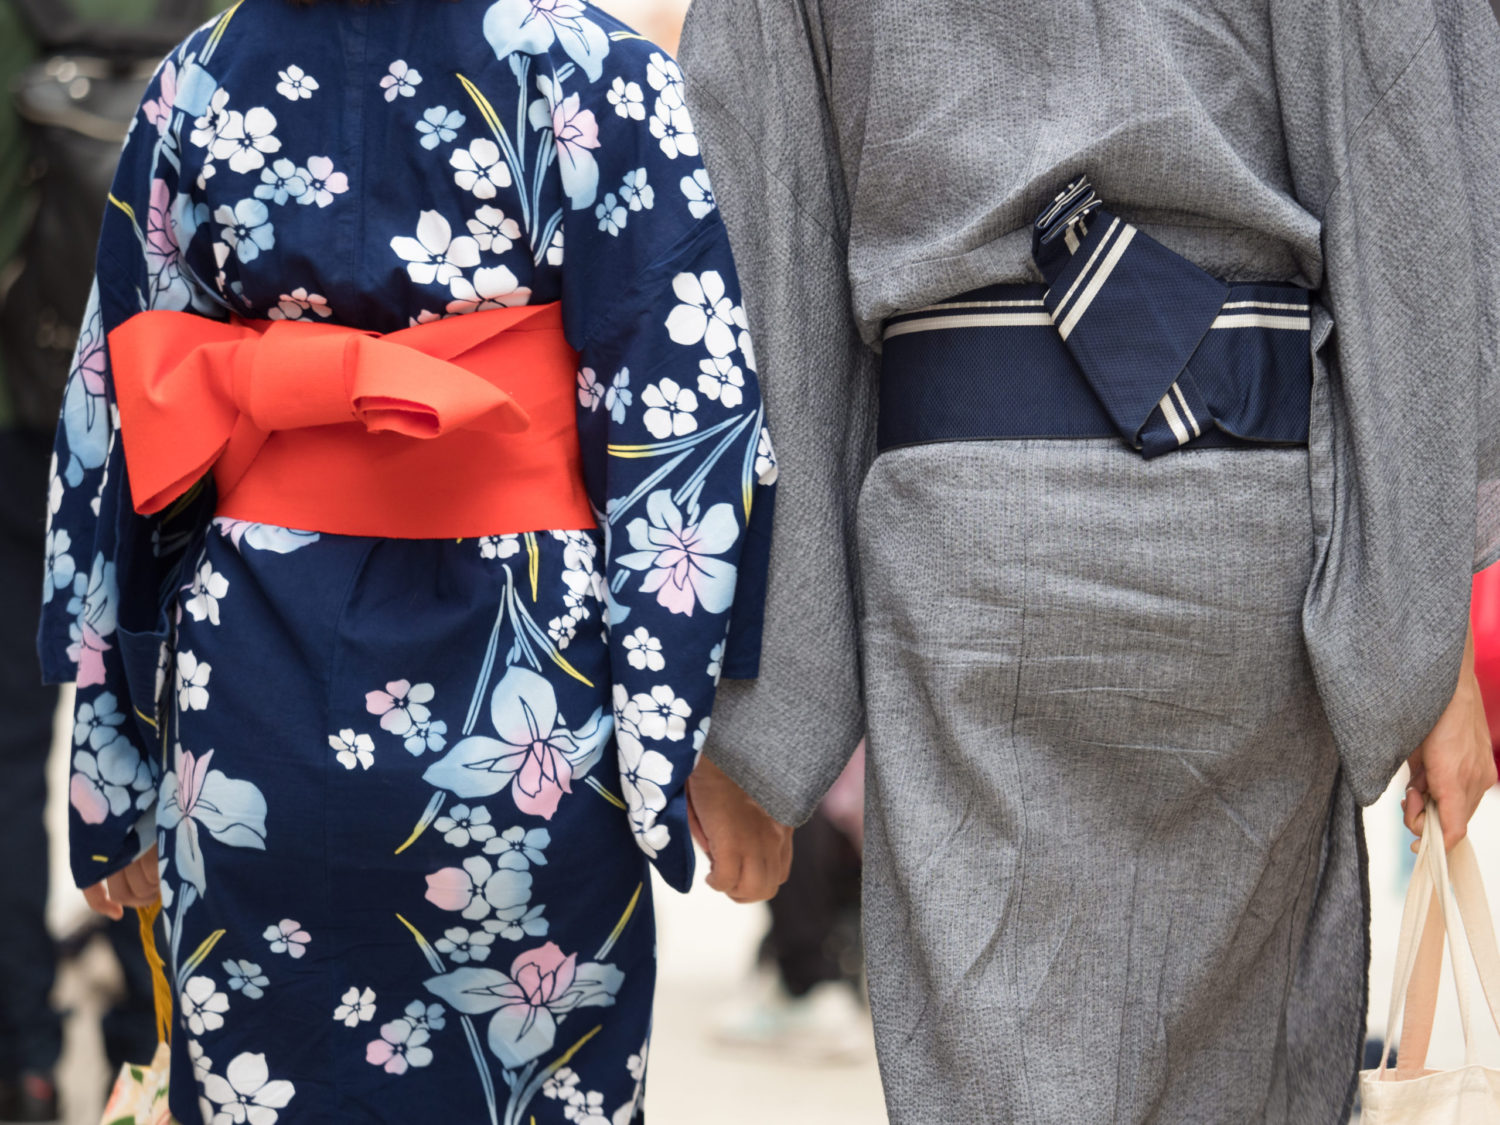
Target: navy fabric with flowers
x,y
406,791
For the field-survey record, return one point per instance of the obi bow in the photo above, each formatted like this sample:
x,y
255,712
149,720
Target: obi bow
x,y
329,428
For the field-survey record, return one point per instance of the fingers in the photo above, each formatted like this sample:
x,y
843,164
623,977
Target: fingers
x,y
726,868
99,902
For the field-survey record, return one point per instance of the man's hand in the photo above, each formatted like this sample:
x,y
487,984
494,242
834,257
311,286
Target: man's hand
x,y
749,854
1454,765
136,885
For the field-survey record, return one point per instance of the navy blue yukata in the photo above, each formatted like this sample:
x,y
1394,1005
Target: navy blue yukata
x,y
405,791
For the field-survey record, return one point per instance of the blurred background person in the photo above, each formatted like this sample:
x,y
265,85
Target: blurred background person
x,y
73,71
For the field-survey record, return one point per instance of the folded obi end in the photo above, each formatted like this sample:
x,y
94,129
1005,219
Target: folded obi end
x,y
454,429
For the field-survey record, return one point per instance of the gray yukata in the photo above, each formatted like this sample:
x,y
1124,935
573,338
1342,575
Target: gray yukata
x,y
1120,712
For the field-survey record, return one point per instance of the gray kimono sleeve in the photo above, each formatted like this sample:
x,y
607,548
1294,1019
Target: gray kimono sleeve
x,y
1392,120
755,91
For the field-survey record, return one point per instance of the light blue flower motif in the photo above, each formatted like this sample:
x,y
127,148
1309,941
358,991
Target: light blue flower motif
x,y
427,736
611,216
618,397
518,849
429,1016
98,723
247,228
85,420
636,193
264,536
677,550
530,924
192,795
700,195
283,180
246,977
536,749
95,617
531,27
60,565
541,989
439,125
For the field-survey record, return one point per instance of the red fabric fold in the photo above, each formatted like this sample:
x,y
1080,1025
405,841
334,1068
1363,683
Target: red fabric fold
x,y
327,428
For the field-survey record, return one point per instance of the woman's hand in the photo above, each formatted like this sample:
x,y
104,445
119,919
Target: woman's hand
x,y
136,885
749,853
1455,765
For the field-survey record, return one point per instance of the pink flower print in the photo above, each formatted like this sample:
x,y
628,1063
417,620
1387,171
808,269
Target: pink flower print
x,y
87,799
400,706
92,362
576,131
678,555
478,889
400,1047
543,974
88,649
159,110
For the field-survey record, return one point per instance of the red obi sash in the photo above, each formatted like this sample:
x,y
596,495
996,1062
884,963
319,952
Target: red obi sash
x,y
454,429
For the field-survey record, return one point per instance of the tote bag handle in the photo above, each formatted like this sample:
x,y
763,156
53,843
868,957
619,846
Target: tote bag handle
x,y
1445,898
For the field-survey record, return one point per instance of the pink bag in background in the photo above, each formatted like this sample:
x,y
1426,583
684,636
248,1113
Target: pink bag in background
x,y
1484,613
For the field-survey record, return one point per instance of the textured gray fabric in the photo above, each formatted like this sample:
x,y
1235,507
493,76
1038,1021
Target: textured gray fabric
x,y
874,155
1099,780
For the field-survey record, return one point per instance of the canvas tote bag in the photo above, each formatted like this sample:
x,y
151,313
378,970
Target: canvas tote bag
x,y
1445,898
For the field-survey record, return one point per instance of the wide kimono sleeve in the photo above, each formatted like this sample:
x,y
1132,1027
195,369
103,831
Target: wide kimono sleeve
x,y
1392,119
756,86
676,452
106,567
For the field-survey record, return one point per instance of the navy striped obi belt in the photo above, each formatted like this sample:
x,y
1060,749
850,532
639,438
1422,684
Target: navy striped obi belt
x,y
1126,339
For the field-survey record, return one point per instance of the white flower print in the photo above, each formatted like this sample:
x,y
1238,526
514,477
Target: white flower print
x,y
765,459
636,193
356,1008
700,736
480,169
534,26
202,1064
402,81
247,228
579,549
562,630
207,128
439,125
287,937
706,313
590,394
499,546
664,76
400,706
293,306
700,195
246,1092
562,1086
460,945
493,288
323,183
203,1005
353,749
628,99
400,1047
673,128
721,380
643,773
462,824
493,231
669,409
583,584
422,1014
245,139
435,255
519,848
246,978
283,180
617,398
642,650
207,588
554,253
663,715
61,569
611,215
295,84
54,490
716,662
192,682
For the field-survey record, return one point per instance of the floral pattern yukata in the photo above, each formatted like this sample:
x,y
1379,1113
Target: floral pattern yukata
x,y
405,791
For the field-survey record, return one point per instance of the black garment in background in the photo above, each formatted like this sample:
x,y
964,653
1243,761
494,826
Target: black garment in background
x,y
30,1030
815,917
